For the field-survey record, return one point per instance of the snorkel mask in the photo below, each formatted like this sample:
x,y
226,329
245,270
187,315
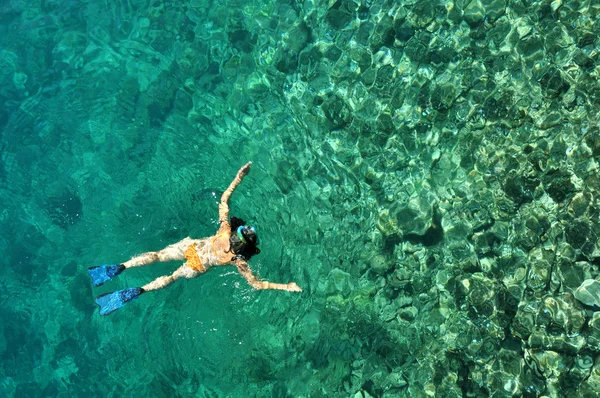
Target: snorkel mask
x,y
247,229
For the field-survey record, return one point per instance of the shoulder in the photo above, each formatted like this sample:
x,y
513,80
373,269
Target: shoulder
x,y
240,263
225,228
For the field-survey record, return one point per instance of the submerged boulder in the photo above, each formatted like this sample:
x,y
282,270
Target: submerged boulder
x,y
588,293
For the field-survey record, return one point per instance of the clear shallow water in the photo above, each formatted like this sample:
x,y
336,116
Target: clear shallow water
x,y
427,172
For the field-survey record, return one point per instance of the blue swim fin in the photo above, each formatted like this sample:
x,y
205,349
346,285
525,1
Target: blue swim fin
x,y
104,272
109,302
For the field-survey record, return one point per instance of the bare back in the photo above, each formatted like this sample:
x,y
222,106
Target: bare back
x,y
205,253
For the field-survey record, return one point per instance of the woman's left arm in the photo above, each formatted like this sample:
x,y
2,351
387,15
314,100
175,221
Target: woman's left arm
x,y
223,204
244,269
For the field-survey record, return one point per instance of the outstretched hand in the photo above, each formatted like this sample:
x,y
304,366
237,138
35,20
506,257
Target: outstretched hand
x,y
292,287
245,169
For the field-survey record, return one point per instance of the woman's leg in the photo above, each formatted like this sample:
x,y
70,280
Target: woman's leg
x,y
106,272
110,302
170,253
162,281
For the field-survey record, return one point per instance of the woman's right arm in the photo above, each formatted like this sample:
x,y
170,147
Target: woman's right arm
x,y
244,269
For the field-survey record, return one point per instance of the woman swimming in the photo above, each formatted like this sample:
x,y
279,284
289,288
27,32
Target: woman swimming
x,y
234,243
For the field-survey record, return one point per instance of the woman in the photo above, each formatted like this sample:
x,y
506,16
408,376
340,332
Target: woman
x,y
234,243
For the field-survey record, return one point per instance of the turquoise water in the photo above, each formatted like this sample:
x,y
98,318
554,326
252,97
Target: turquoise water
x,y
427,171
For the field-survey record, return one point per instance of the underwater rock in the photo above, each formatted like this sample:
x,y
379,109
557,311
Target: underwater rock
x,y
65,208
20,79
385,78
414,216
548,365
519,188
504,372
337,112
242,40
8,67
474,13
561,312
340,14
553,83
559,186
411,218
309,329
183,102
416,50
549,120
593,331
408,313
447,304
588,293
362,56
480,293
579,234
581,368
386,224
403,301
338,281
538,274
422,14
463,256
12,8
400,278
592,140
570,275
388,313
395,380
525,319
456,228
515,282
257,86
380,264
494,9
552,323
550,338
580,204
591,386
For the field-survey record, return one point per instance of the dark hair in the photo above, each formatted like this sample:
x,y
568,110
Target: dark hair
x,y
242,250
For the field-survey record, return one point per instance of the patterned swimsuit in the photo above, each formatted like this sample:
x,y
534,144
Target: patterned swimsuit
x,y
201,255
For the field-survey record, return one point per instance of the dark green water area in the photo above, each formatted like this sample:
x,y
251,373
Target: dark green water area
x,y
426,170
